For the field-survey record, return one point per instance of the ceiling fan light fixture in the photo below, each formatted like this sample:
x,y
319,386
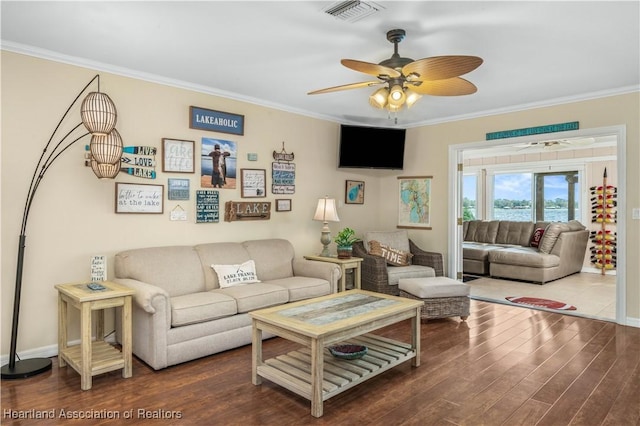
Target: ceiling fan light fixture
x,y
412,98
378,98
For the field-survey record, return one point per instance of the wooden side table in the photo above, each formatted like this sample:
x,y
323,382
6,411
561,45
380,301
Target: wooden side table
x,y
350,263
93,358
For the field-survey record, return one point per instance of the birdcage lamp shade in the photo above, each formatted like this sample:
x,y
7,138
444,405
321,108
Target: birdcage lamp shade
x,y
98,113
104,170
107,149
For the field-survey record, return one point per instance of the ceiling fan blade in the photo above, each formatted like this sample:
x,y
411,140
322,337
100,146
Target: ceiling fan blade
x,y
371,69
346,87
441,67
450,87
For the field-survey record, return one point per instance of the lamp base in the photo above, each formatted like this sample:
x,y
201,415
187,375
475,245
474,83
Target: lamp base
x,y
26,368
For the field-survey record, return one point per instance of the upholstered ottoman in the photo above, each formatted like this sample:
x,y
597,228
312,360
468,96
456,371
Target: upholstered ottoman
x,y
443,297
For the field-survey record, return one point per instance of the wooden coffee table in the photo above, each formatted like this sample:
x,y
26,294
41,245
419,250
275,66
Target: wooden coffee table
x,y
346,317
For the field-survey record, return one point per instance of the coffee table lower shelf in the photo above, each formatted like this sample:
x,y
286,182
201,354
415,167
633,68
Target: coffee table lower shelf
x,y
293,370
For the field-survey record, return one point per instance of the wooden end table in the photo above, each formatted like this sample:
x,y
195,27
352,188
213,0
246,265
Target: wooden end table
x,y
344,264
93,358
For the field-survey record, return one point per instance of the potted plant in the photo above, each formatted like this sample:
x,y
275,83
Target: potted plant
x,y
344,240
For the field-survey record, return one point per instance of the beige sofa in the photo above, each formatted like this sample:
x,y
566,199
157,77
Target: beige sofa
x,y
503,249
180,312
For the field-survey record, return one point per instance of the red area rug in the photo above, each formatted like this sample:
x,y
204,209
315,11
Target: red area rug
x,y
541,303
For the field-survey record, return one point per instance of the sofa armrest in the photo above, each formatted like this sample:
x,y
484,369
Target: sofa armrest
x,y
427,258
317,269
149,297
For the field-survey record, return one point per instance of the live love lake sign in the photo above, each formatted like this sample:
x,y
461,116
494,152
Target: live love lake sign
x,y
216,121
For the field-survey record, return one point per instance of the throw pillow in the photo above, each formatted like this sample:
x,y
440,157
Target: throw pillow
x,y
231,275
536,237
392,255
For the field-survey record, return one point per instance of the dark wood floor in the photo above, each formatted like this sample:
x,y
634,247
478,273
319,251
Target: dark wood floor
x,y
505,365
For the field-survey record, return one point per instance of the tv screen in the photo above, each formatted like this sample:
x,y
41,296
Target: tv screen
x,y
371,147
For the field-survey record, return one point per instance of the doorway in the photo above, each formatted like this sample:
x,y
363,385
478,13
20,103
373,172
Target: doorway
x,y
600,137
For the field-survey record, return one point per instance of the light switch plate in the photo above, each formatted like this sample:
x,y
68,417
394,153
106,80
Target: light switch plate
x,y
635,213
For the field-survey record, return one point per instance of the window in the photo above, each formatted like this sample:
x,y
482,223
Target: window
x,y
512,197
557,196
470,197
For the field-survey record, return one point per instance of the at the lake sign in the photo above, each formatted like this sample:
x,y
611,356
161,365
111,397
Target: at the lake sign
x,y
216,121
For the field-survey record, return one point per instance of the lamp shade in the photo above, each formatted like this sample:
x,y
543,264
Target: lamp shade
x,y
107,149
379,98
105,170
98,113
326,210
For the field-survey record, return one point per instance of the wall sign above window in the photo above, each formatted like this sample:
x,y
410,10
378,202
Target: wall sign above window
x,y
549,128
216,121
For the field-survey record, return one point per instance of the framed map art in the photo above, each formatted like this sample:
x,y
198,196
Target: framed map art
x,y
414,202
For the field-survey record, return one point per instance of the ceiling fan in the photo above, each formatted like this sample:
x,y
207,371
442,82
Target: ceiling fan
x,y
405,80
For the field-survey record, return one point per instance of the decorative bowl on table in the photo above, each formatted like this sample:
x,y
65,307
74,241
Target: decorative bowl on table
x,y
348,351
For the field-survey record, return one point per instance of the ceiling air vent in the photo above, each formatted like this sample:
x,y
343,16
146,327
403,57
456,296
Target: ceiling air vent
x,y
352,11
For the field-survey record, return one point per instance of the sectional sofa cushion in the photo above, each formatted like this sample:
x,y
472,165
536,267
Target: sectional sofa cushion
x,y
482,231
553,231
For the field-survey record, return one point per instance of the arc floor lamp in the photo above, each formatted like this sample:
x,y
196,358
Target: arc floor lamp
x,y
99,116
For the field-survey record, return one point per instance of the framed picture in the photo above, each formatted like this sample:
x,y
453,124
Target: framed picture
x,y
139,198
178,156
414,202
178,189
354,192
283,205
253,183
218,163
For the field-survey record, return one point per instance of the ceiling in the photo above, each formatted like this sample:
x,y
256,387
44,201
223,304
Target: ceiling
x,y
273,53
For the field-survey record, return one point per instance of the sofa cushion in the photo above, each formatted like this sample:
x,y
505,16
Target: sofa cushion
x,y
230,275
551,234
256,296
392,255
175,269
273,257
219,254
199,307
397,239
477,251
523,256
514,233
482,231
396,273
301,288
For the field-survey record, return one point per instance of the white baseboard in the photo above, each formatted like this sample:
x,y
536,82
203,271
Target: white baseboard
x,y
46,351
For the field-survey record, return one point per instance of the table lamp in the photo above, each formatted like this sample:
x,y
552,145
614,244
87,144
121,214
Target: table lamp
x,y
326,212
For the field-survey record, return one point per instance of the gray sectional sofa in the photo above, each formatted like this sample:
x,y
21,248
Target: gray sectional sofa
x,y
504,249
181,313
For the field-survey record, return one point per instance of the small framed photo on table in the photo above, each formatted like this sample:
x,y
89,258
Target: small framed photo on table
x,y
283,205
354,192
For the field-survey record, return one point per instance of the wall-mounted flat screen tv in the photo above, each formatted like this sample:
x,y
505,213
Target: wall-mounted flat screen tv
x,y
371,147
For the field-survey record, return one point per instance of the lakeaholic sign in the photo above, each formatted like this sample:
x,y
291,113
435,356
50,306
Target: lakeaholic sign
x,y
216,121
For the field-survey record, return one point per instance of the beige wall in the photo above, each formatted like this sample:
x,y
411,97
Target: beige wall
x,y
73,217
73,214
